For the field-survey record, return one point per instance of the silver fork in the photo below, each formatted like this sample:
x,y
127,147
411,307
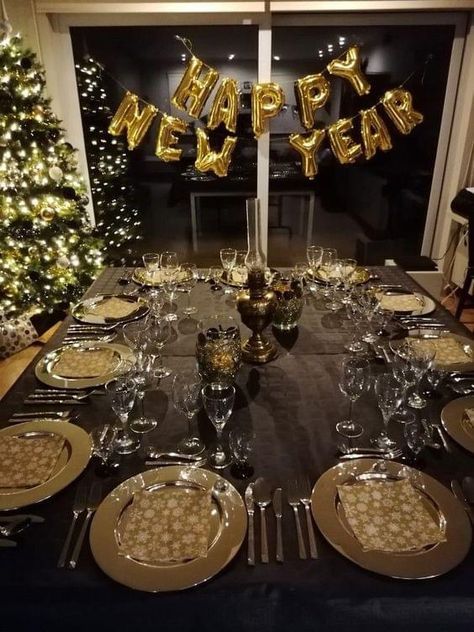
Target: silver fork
x,y
79,506
305,497
294,502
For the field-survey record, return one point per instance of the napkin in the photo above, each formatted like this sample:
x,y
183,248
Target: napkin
x,y
28,461
448,350
167,525
388,516
82,363
400,302
113,308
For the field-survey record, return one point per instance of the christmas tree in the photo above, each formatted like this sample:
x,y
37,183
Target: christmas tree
x,y
113,193
49,253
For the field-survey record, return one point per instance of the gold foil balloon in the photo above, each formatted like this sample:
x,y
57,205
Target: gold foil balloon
x,y
267,101
312,92
399,107
169,127
209,160
129,117
307,145
349,68
196,85
343,146
374,132
225,106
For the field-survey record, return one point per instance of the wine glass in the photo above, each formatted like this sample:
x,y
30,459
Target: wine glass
x,y
158,334
356,316
136,335
313,255
348,267
151,261
214,276
145,378
188,282
405,375
415,437
328,257
228,256
241,269
186,394
334,273
218,400
122,391
420,360
389,395
353,382
169,270
241,446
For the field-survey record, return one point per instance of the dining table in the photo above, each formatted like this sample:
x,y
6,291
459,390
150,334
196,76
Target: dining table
x,y
292,405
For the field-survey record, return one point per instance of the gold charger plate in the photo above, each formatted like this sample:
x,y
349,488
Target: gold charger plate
x,y
80,310
44,369
72,461
456,425
427,334
430,561
359,276
228,529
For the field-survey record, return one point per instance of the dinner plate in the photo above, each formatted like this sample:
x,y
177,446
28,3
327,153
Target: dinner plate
x,y
80,311
456,425
72,461
426,304
228,529
426,333
359,276
430,561
44,369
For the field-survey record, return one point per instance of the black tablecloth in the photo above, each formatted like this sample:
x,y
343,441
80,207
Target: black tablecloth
x,y
293,404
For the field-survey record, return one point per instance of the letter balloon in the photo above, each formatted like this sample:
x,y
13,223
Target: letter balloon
x,y
225,106
398,105
208,160
195,86
374,132
169,126
312,92
128,117
349,68
307,145
267,101
343,146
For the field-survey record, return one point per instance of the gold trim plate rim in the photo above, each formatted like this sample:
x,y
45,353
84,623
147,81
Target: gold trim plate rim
x,y
81,450
428,306
166,577
451,419
44,375
425,564
141,312
434,334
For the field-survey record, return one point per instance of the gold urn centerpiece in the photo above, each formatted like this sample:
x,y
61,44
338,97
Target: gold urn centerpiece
x,y
257,304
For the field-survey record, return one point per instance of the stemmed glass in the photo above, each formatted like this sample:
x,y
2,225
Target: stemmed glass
x,y
186,394
122,391
188,282
145,378
218,400
356,316
240,268
348,267
313,255
415,437
405,375
334,273
327,259
389,397
151,261
421,360
353,382
136,335
214,276
228,256
169,270
158,334
241,446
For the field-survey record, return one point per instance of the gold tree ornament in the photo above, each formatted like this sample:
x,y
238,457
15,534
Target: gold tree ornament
x,y
349,68
209,160
307,145
225,106
343,146
374,132
311,92
47,214
195,87
169,127
399,107
128,117
267,101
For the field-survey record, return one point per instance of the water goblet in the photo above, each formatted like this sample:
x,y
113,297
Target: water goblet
x,y
241,445
355,316
151,261
158,334
169,270
403,372
186,394
328,257
188,282
122,391
353,382
228,256
136,335
145,378
434,376
415,437
389,395
218,400
348,267
103,446
335,274
420,360
214,276
313,255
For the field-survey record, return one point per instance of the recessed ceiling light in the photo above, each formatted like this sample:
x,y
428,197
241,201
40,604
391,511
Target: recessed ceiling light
x,y
231,57
342,41
320,51
330,47
276,57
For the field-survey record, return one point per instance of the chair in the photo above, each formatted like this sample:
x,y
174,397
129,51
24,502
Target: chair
x,y
463,204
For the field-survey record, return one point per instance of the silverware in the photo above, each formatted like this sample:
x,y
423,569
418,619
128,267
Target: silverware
x,y
263,498
70,401
154,454
44,413
278,511
93,501
79,506
60,395
305,497
294,502
387,456
163,463
458,492
21,420
440,432
70,339
251,532
364,450
97,326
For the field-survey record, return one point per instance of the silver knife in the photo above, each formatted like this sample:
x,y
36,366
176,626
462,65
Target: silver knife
x,y
440,432
61,402
251,535
43,413
457,491
278,510
163,463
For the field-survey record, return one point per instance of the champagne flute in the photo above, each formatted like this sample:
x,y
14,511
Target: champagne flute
x,y
313,255
420,360
218,400
159,332
389,397
241,269
353,382
334,273
186,394
122,391
348,267
169,269
228,256
188,282
328,257
405,375
151,261
356,316
145,378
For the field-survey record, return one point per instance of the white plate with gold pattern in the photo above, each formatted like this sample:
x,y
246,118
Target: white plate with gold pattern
x,y
457,423
106,360
428,561
453,352
406,302
73,459
144,278
359,276
110,309
227,529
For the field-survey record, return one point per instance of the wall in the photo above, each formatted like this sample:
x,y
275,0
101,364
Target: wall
x,y
22,16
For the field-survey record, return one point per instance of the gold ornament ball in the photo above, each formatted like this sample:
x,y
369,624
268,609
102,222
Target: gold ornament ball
x,y
47,214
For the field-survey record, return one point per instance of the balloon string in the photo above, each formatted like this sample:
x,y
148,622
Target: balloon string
x,y
186,43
